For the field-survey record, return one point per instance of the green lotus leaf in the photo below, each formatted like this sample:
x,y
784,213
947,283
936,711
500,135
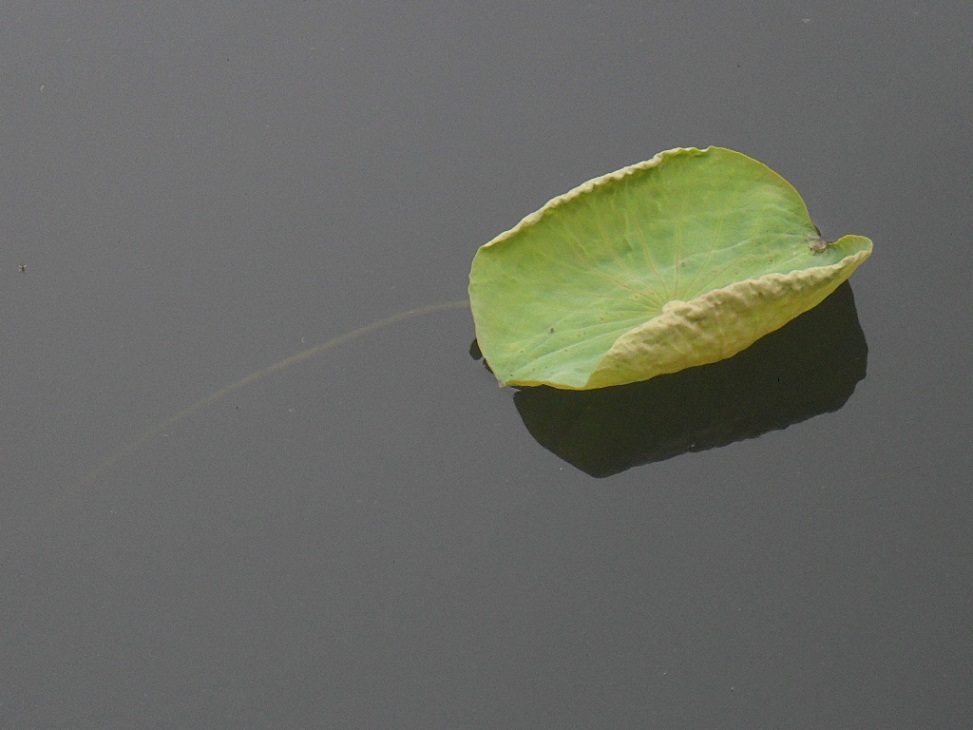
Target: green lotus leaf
x,y
682,260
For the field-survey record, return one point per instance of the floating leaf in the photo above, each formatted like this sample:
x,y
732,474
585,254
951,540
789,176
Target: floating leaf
x,y
682,260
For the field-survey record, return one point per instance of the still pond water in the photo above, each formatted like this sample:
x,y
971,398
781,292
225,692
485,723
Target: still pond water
x,y
381,537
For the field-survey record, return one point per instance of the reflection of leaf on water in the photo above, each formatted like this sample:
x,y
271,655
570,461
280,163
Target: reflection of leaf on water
x,y
683,260
807,368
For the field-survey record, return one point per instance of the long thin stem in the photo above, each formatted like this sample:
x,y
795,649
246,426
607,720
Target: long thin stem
x,y
106,466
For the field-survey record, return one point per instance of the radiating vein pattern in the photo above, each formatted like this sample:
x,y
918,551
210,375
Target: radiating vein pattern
x,y
557,294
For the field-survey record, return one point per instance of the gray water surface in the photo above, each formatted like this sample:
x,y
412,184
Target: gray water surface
x,y
381,537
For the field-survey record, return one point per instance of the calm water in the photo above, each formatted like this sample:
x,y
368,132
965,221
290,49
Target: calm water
x,y
379,536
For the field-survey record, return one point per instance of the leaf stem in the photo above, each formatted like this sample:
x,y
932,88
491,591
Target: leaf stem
x,y
106,466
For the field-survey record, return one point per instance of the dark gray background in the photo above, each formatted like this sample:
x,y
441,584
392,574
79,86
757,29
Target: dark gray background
x,y
372,538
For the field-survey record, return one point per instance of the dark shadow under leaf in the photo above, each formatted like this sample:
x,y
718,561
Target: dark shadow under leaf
x,y
806,368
